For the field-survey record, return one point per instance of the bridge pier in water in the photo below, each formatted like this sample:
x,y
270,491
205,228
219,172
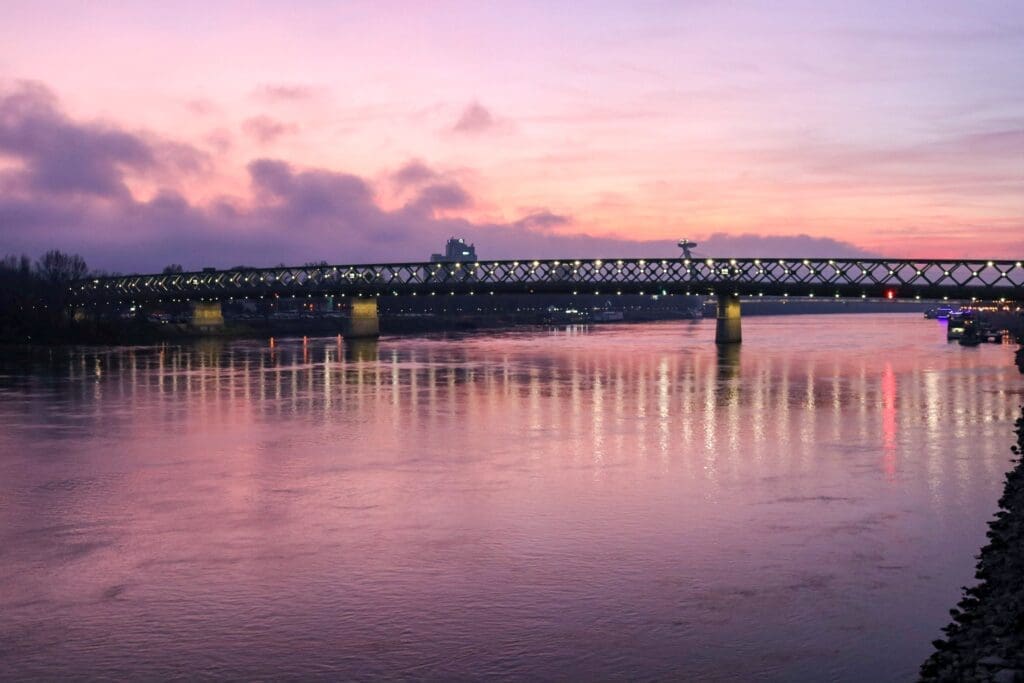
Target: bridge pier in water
x,y
207,315
364,322
727,326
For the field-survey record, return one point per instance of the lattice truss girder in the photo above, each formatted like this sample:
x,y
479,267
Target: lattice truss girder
x,y
846,277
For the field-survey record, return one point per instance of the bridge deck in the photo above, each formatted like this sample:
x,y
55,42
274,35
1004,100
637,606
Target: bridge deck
x,y
926,279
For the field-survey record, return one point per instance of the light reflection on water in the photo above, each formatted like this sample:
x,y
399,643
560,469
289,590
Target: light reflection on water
x,y
627,501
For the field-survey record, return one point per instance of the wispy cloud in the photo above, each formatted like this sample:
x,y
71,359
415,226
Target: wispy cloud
x,y
475,118
265,130
285,92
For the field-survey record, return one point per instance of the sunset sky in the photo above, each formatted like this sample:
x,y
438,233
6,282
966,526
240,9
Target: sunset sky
x,y
221,133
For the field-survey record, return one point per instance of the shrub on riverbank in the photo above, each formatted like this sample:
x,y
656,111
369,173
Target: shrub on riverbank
x,y
985,641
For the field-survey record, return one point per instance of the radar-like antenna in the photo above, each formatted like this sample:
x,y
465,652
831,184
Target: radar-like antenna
x,y
686,245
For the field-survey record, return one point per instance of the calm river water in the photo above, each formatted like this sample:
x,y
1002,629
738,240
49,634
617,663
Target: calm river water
x,y
620,502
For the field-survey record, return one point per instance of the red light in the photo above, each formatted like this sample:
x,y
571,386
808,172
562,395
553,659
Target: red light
x,y
889,294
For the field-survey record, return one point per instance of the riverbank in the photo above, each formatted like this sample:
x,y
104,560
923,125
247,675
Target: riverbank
x,y
985,641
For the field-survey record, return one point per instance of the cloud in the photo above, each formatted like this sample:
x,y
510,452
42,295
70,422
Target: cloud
x,y
777,246
441,196
414,173
285,92
219,139
475,118
61,157
541,221
70,189
200,106
265,129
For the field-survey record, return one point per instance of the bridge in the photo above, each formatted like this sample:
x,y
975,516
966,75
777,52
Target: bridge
x,y
727,278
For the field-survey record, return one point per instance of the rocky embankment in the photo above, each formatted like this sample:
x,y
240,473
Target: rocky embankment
x,y
985,641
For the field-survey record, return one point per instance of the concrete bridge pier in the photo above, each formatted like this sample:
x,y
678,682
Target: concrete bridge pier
x,y
207,315
727,328
363,322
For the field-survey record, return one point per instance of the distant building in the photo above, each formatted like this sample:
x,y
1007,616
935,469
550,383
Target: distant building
x,y
455,249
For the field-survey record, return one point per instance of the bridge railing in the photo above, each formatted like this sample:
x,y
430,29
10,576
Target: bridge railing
x,y
776,276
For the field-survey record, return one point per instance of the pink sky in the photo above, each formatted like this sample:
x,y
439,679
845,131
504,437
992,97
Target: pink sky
x,y
218,133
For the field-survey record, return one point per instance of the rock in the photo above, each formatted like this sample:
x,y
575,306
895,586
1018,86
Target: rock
x,y
1007,676
993,661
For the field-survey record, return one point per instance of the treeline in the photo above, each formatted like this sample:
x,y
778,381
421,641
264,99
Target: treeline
x,y
34,304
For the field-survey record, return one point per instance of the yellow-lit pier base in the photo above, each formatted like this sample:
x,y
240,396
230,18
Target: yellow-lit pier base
x,y
727,328
207,315
363,322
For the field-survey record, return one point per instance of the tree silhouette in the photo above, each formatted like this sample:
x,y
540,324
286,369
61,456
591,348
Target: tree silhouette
x,y
57,268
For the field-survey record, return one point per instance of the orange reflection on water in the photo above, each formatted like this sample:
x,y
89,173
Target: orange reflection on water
x,y
889,421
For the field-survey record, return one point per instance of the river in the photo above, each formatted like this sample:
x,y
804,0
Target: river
x,y
613,502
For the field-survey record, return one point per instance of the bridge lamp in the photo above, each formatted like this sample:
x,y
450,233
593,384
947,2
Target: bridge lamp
x,y
785,294
863,296
709,261
806,262
889,294
989,264
811,295
837,295
945,272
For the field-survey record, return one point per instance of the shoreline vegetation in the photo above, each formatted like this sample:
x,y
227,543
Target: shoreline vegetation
x,y
985,640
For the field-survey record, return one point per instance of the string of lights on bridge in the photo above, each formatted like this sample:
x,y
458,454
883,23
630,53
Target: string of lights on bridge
x,y
850,278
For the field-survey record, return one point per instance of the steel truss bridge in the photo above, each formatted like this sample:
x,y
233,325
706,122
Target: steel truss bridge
x,y
860,278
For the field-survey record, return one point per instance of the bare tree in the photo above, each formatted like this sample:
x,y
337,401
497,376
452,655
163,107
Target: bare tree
x,y
173,268
56,267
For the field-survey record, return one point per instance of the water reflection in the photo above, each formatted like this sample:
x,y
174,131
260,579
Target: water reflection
x,y
767,400
612,501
